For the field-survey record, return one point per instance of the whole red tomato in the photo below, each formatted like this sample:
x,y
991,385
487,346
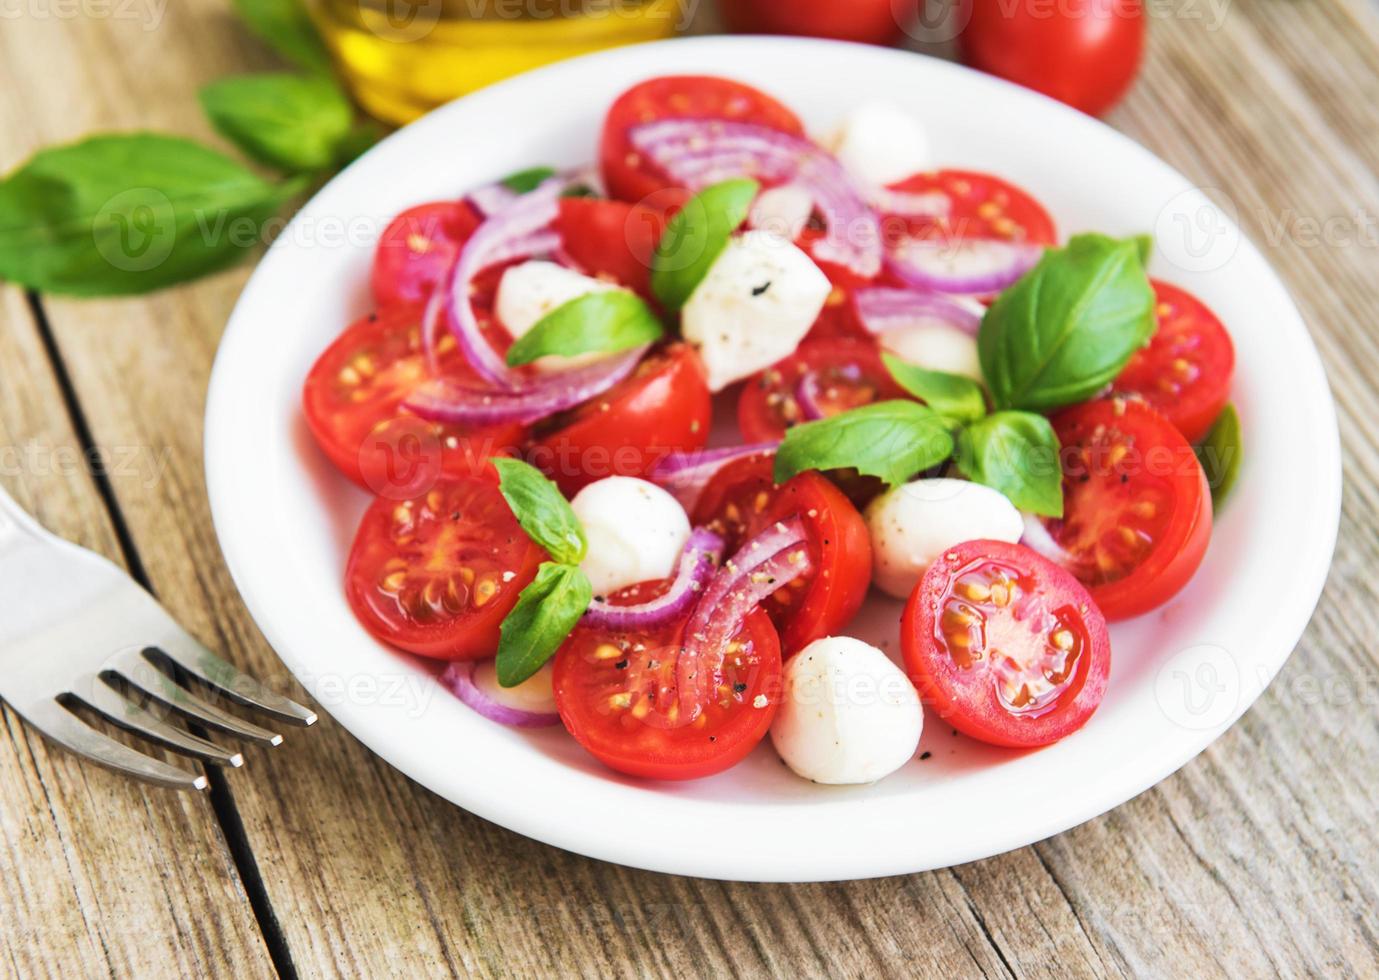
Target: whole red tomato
x,y
869,21
1082,52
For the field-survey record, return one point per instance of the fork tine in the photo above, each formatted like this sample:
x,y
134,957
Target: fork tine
x,y
184,650
98,693
164,689
69,731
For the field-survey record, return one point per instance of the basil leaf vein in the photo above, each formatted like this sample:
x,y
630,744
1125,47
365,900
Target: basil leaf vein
x,y
1017,454
951,395
604,322
695,237
541,509
294,122
547,611
892,440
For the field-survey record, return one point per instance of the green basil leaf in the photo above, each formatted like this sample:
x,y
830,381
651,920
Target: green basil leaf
x,y
1221,453
527,180
605,322
893,440
362,135
1065,330
541,509
123,214
951,395
1017,454
696,236
286,26
546,612
293,122
1144,244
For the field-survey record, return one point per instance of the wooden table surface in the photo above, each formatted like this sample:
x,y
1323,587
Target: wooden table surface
x,y
1259,857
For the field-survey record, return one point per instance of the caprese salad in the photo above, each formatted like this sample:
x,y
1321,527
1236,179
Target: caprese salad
x,y
937,398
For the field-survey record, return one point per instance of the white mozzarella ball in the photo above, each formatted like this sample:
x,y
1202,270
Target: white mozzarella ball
x,y
635,532
913,524
783,211
535,694
757,302
881,144
935,346
529,292
847,714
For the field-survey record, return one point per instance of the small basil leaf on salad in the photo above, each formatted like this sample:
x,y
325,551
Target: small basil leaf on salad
x,y
546,611
121,214
893,440
287,27
951,395
1067,327
527,180
1221,453
542,511
1017,454
606,323
293,122
695,236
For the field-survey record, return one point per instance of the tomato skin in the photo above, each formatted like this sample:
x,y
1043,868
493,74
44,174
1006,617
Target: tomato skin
x,y
865,21
741,501
663,407
1102,494
626,176
352,400
612,238
1186,370
1085,53
417,249
966,695
457,541
982,206
584,685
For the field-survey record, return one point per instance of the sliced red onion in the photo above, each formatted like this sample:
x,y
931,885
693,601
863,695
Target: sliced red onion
x,y
701,152
969,266
684,475
809,392
907,204
476,685
881,309
431,318
696,565
1037,538
764,565
489,199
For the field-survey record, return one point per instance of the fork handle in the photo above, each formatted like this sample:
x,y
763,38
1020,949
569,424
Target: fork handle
x,y
15,520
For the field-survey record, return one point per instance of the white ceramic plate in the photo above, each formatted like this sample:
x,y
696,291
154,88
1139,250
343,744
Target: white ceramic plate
x,y
1181,676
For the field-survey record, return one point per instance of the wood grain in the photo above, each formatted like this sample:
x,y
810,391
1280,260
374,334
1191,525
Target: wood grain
x,y
1258,858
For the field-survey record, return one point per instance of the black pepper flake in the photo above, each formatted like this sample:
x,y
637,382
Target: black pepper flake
x,y
1125,478
739,687
621,664
925,755
713,738
758,290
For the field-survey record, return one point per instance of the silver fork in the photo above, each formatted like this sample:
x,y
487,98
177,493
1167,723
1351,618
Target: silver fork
x,y
74,628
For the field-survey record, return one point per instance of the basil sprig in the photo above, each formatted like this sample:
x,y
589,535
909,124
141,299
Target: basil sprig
x,y
1221,453
1067,327
552,603
1017,454
893,440
696,236
293,122
604,322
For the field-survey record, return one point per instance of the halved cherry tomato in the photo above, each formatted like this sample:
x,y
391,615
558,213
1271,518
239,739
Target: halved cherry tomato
x,y
627,176
612,238
742,500
418,248
616,693
353,403
982,206
663,407
1004,645
436,574
1136,506
850,374
1186,370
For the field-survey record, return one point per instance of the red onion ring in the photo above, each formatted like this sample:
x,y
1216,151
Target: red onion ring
x,y
881,309
764,565
684,475
701,152
809,391
460,678
697,562
489,199
968,266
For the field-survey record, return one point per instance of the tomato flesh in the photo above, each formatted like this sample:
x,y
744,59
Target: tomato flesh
x,y
436,574
742,500
980,206
1136,505
1186,370
617,695
1005,646
663,407
612,239
418,248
